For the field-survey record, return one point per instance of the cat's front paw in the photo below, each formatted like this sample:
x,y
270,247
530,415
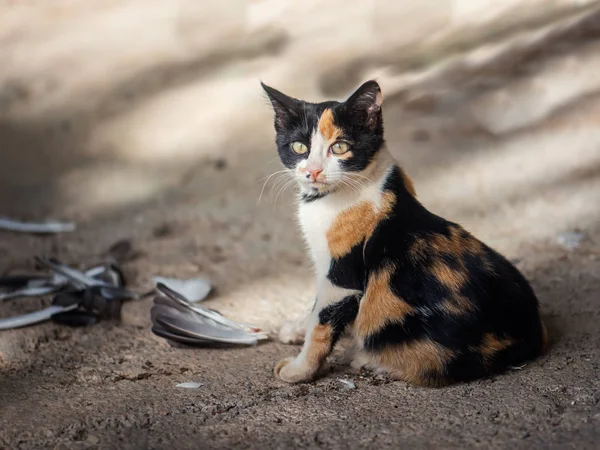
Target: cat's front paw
x,y
293,370
293,332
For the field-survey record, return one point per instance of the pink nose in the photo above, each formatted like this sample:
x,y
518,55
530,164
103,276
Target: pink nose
x,y
315,173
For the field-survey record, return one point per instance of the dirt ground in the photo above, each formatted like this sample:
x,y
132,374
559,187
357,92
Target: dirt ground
x,y
167,143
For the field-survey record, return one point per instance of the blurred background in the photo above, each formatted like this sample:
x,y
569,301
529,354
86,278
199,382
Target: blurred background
x,y
145,120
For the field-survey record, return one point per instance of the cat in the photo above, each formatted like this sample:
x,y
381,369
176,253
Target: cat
x,y
423,299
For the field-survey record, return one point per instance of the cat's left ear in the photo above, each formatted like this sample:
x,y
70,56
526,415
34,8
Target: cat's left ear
x,y
365,104
286,107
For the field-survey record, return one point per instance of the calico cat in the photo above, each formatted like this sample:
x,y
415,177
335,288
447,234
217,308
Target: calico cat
x,y
423,299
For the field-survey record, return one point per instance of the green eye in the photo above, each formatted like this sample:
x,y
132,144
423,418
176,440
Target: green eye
x,y
339,148
299,148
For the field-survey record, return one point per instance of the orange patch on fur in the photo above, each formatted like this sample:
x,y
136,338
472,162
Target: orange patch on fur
x,y
327,128
453,279
319,345
421,363
418,250
356,224
379,305
457,305
459,243
491,344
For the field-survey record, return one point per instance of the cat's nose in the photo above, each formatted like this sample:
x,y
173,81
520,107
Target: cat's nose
x,y
314,173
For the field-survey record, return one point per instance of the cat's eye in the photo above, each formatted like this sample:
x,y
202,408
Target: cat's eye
x,y
299,148
339,148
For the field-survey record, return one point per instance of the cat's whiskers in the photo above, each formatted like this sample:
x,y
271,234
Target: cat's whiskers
x,y
346,179
352,187
343,179
278,180
357,186
360,175
279,183
279,172
287,184
274,173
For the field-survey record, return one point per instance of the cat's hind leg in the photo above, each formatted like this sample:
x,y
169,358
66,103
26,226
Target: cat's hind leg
x,y
396,335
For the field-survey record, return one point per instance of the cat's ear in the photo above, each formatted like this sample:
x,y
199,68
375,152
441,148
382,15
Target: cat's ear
x,y
365,104
285,107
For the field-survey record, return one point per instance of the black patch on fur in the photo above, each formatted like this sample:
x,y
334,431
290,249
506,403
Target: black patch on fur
x,y
339,315
348,271
411,329
312,196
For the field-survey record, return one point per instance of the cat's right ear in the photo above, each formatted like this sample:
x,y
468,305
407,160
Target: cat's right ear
x,y
365,104
286,108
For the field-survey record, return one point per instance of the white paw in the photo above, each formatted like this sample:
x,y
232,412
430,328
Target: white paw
x,y
293,332
293,370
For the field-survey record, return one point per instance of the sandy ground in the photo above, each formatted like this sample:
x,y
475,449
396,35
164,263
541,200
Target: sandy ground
x,y
155,130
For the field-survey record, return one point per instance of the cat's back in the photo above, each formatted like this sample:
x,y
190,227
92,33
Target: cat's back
x,y
455,304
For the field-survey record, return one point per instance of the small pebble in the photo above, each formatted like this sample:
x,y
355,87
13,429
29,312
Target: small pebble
x,y
347,384
189,385
92,440
570,239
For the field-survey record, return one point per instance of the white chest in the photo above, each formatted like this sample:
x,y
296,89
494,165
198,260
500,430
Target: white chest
x,y
316,219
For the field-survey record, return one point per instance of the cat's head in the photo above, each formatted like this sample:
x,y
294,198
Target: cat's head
x,y
327,145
